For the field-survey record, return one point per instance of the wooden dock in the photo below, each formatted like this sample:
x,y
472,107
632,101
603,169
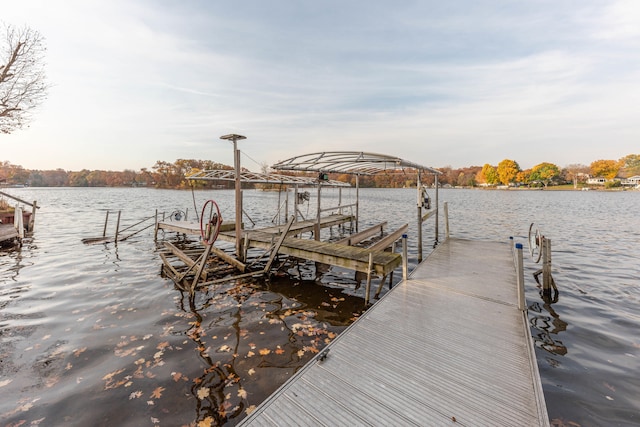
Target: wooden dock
x,y
449,346
8,233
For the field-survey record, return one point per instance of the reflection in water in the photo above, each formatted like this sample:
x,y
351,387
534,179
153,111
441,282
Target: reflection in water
x,y
548,327
252,336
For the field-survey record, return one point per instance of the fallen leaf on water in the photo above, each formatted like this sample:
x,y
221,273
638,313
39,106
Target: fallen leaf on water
x,y
135,395
157,393
250,409
155,420
4,383
176,376
300,353
279,351
242,393
225,348
162,345
203,393
264,351
207,422
251,371
250,354
110,375
78,352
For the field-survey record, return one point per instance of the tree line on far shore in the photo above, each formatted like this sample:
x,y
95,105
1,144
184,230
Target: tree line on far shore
x,y
174,175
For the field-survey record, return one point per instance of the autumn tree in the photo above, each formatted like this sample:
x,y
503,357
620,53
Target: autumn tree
x,y
487,175
545,173
22,78
630,165
507,171
524,176
605,168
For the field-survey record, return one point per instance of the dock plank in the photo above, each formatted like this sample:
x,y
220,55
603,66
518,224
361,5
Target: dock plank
x,y
8,232
448,343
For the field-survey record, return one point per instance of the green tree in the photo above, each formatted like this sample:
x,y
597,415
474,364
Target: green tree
x,y
507,171
487,175
545,173
630,165
605,168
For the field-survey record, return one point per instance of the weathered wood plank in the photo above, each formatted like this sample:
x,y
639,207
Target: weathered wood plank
x,y
356,238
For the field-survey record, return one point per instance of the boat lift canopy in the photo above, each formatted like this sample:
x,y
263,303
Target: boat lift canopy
x,y
261,178
350,162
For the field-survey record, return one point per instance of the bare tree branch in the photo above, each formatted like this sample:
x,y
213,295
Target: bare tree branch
x,y
22,78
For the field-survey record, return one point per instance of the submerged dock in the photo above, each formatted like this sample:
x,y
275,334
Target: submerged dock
x,y
448,346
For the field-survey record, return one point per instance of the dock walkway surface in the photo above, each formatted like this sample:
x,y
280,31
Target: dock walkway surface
x,y
446,347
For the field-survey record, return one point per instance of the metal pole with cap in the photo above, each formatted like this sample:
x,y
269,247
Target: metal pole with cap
x,y
236,164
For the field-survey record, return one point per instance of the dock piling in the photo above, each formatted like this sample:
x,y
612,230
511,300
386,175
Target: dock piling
x,y
520,276
405,261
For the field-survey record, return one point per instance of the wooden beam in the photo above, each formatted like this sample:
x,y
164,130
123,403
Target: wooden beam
x,y
356,238
390,239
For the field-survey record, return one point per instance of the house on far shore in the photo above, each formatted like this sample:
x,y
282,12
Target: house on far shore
x,y
632,181
596,181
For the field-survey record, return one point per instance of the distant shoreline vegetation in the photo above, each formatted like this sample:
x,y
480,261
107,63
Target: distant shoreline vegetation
x,y
607,174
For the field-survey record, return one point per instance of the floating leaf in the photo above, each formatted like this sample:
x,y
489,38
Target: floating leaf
x,y
135,395
157,393
300,353
250,354
251,371
279,350
225,348
176,376
203,393
78,352
264,351
250,409
207,422
242,393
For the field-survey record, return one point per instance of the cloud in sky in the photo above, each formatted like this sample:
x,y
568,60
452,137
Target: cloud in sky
x,y
439,83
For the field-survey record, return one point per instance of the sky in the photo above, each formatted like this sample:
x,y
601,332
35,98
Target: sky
x,y
439,83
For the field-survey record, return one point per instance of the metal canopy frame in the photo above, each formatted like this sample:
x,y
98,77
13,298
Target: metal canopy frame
x,y
350,162
261,178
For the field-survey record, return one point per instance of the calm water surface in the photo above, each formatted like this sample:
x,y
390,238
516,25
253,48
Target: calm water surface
x,y
93,335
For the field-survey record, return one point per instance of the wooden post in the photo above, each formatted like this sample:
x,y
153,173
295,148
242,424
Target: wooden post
x,y
437,207
238,192
316,229
155,233
446,220
419,187
117,226
276,248
357,200
368,287
32,220
520,277
405,260
106,220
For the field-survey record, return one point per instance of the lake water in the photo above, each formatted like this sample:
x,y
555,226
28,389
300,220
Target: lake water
x,y
93,335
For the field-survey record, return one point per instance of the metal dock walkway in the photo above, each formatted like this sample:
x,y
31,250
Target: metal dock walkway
x,y
448,346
